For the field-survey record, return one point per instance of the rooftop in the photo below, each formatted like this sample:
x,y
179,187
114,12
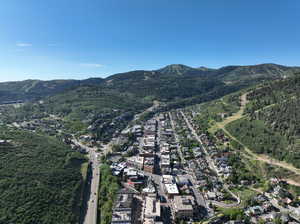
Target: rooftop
x,y
123,201
152,207
172,189
184,202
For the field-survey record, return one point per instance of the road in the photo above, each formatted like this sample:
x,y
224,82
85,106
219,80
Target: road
x,y
211,164
91,214
176,138
199,197
150,109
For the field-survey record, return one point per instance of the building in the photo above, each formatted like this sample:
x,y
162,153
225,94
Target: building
x,y
183,206
149,164
152,210
165,161
137,130
171,190
136,162
149,142
182,180
167,179
122,211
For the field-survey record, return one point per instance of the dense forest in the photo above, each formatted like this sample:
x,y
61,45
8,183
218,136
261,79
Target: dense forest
x,y
31,90
109,186
40,179
272,122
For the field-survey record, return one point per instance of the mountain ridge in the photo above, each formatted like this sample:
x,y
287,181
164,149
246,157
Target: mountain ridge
x,y
173,75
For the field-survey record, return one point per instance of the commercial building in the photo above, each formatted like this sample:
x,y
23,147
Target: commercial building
x,y
152,209
183,206
171,190
122,211
149,164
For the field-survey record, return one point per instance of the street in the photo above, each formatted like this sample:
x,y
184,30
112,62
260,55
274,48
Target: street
x,y
91,213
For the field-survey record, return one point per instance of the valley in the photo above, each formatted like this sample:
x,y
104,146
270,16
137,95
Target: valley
x,y
179,137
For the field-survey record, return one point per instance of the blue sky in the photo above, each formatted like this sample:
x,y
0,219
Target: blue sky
x,y
77,39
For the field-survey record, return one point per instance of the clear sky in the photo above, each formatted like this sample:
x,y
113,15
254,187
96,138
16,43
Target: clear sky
x,y
51,39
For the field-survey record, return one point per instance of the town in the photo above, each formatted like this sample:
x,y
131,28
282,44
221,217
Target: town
x,y
169,173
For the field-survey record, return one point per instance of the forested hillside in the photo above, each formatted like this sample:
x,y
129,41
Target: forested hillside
x,y
173,81
30,90
272,122
40,179
106,105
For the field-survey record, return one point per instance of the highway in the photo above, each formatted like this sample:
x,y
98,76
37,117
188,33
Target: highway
x,y
91,214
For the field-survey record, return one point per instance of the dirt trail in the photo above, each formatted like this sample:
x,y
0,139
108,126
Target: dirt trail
x,y
263,158
236,116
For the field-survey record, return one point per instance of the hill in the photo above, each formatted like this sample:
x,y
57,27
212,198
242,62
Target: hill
x,y
180,81
272,121
31,90
40,179
107,104
255,73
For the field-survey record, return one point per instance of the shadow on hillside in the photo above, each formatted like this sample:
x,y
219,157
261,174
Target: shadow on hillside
x,y
86,195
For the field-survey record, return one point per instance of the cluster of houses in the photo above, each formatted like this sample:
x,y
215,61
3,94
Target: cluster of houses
x,y
155,173
50,126
218,156
265,208
161,180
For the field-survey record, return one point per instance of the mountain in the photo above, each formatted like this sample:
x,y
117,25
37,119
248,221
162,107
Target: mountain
x,y
176,80
254,72
94,101
271,123
29,90
179,69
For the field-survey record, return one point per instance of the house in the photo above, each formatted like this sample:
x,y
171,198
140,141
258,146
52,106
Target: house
x,y
255,210
211,195
136,162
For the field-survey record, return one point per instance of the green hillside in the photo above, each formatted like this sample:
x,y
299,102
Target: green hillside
x,y
272,122
30,90
106,105
172,81
40,179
